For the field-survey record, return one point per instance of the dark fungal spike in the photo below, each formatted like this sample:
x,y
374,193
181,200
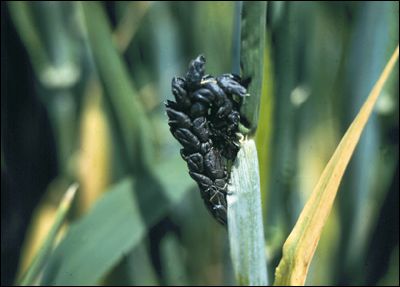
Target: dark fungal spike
x,y
195,72
205,119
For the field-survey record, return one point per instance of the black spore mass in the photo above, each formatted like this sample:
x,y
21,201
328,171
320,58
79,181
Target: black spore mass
x,y
205,119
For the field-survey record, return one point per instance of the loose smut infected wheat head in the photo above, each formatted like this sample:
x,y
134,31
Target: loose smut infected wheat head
x,y
205,119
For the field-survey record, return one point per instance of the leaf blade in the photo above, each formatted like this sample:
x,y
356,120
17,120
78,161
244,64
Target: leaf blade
x,y
245,224
39,260
98,241
253,25
302,242
126,112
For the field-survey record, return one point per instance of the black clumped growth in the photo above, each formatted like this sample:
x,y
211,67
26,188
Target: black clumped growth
x,y
205,119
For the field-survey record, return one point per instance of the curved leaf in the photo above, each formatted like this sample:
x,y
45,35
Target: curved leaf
x,y
300,246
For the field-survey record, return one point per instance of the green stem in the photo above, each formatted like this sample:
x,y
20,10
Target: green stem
x,y
253,24
245,224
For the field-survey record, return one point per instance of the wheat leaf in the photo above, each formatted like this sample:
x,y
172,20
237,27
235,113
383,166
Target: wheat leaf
x,y
300,246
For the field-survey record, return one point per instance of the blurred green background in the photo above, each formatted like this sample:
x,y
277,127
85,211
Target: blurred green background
x,y
82,93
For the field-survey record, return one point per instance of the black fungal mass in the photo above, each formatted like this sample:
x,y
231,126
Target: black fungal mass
x,y
205,120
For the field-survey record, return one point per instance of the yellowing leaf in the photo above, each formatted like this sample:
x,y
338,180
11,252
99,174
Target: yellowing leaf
x,y
94,156
42,255
300,246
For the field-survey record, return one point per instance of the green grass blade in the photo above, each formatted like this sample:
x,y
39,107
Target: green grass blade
x,y
35,269
128,115
115,225
245,224
98,241
302,242
50,46
23,20
251,57
263,136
